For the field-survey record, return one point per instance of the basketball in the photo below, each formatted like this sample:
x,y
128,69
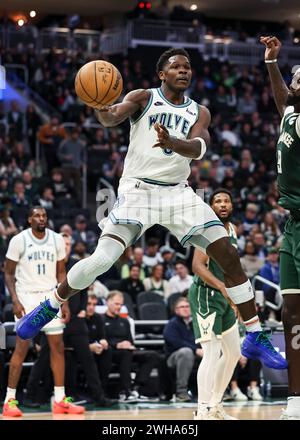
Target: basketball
x,y
98,83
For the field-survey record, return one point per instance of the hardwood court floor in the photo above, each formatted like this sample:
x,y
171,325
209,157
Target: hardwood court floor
x,y
249,411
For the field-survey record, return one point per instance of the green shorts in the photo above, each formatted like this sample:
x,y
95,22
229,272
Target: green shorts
x,y
290,258
211,313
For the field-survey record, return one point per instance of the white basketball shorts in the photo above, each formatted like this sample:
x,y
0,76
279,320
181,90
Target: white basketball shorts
x,y
178,208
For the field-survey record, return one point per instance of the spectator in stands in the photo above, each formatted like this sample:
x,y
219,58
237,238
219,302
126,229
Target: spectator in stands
x,y
79,250
67,230
181,350
4,190
152,256
10,170
260,244
137,258
156,282
99,290
19,154
245,380
19,198
251,263
182,281
7,226
119,337
250,218
71,156
47,198
16,123
50,135
246,104
59,186
132,285
33,122
98,343
82,233
270,229
31,187
270,271
168,254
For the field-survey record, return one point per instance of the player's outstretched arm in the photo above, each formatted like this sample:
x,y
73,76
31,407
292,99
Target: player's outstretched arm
x,y
133,104
279,88
195,147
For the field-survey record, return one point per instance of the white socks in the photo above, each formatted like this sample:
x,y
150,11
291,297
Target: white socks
x,y
55,300
293,406
253,324
59,394
10,394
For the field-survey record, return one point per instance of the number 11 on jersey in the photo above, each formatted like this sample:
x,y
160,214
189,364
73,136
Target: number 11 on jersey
x,y
41,269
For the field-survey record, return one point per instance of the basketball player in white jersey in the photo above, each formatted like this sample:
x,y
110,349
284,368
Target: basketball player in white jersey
x,y
168,130
34,267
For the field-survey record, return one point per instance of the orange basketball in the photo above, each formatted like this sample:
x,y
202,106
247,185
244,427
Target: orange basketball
x,y
98,83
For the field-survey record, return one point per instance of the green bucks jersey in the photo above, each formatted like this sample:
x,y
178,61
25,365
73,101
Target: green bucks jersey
x,y
212,265
288,160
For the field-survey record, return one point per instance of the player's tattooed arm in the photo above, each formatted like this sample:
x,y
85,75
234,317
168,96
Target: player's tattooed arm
x,y
10,281
192,147
132,105
279,88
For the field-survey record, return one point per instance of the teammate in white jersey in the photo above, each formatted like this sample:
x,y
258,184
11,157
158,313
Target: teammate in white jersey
x,y
34,266
168,131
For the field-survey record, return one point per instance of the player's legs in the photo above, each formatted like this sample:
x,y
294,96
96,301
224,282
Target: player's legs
x,y
208,234
231,352
290,282
10,407
111,245
16,362
238,286
61,404
57,361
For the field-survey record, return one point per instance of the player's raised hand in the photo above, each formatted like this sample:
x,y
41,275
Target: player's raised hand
x,y
163,137
273,46
18,309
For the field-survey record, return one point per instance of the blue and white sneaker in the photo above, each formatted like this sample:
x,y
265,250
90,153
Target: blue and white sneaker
x,y
257,346
29,325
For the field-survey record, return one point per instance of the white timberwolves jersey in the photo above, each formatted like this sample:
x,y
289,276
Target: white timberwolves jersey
x,y
36,268
158,164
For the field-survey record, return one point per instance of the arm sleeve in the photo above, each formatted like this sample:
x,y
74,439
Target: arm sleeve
x,y
61,249
16,248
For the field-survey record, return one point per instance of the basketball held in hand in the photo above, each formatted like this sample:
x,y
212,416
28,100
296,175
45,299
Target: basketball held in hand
x,y
98,83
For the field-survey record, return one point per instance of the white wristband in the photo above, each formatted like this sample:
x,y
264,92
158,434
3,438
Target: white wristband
x,y
271,61
203,148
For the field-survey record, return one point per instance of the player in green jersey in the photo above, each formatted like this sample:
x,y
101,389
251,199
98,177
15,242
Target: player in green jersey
x,y
287,100
214,321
